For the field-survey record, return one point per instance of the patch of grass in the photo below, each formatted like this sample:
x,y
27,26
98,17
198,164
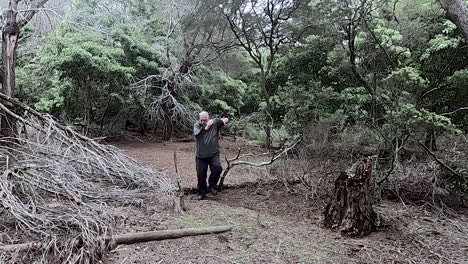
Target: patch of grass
x,y
247,208
256,134
327,248
245,227
297,252
189,221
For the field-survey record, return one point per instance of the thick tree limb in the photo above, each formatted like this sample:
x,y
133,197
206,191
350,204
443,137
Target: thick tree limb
x,y
440,162
457,12
132,238
235,161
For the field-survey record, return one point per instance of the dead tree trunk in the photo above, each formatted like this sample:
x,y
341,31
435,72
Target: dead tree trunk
x,y
350,209
10,37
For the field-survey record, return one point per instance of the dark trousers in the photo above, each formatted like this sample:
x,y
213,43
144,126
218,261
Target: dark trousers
x,y
202,170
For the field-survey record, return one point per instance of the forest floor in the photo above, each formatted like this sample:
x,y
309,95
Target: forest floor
x,y
274,225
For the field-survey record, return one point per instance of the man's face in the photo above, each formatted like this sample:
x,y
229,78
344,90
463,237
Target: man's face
x,y
203,120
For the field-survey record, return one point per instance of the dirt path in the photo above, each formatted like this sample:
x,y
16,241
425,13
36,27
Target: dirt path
x,y
260,235
274,226
161,155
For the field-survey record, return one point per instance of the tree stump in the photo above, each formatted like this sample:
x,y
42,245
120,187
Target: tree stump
x,y
350,209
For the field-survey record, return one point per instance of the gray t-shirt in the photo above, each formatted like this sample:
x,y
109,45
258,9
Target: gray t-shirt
x,y
207,140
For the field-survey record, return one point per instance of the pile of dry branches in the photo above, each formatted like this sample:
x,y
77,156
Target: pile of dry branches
x,y
55,185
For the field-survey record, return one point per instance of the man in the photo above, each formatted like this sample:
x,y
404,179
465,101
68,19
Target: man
x,y
206,131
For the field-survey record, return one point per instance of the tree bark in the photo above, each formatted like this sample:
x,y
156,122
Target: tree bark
x,y
268,111
168,126
457,12
431,140
10,35
132,238
350,209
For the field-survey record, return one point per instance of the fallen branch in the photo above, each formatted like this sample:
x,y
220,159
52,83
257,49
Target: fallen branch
x,y
440,162
235,161
132,238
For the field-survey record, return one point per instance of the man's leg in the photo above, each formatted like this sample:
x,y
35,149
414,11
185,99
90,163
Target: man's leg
x,y
216,169
202,168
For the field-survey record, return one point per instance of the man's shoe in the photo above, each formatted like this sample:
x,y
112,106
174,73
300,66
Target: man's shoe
x,y
200,197
213,191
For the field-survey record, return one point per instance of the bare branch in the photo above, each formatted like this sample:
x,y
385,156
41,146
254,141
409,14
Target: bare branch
x,y
455,111
32,11
441,162
236,162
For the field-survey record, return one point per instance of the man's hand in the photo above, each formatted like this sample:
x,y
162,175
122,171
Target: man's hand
x,y
209,124
225,120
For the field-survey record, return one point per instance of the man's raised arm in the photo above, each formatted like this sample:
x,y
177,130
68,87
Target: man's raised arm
x,y
197,128
222,121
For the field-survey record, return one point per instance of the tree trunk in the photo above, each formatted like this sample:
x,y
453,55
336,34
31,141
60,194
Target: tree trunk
x,y
10,37
431,141
457,12
268,112
168,125
101,123
350,209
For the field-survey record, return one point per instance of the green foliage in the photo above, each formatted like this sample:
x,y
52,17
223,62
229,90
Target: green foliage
x,y
83,57
442,41
407,76
44,90
138,53
220,94
302,85
86,73
443,62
